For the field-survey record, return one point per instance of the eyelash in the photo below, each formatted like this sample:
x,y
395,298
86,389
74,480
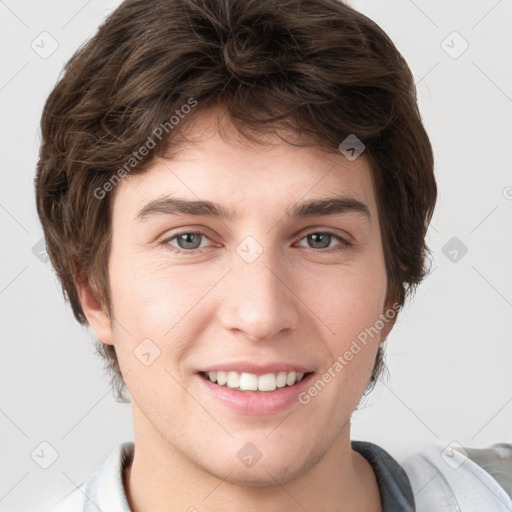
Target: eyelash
x,y
342,246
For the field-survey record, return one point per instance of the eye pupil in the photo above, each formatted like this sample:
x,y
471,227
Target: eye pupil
x,y
189,240
323,239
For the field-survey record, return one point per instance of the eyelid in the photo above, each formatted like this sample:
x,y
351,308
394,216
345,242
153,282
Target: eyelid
x,y
342,234
172,233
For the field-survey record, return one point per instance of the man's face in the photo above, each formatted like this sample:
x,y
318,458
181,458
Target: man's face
x,y
257,292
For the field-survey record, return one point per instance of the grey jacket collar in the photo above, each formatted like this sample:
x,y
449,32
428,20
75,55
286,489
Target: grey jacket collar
x,y
395,489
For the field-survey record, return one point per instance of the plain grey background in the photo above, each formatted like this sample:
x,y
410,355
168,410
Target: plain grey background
x,y
449,356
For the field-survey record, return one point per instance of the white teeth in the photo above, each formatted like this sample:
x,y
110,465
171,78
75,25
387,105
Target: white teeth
x,y
281,380
253,382
248,382
291,378
222,378
233,380
267,382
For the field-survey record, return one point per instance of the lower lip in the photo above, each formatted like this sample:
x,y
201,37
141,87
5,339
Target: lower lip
x,y
257,402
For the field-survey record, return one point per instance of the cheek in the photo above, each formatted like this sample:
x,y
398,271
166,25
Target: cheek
x,y
153,296
346,299
349,303
349,309
158,309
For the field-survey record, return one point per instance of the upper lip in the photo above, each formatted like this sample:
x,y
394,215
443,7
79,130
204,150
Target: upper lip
x,y
257,369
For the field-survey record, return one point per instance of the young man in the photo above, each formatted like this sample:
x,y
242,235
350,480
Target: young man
x,y
235,196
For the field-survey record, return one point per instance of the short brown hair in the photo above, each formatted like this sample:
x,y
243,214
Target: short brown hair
x,y
316,68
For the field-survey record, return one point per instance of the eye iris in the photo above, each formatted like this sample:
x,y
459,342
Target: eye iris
x,y
193,240
189,240
323,239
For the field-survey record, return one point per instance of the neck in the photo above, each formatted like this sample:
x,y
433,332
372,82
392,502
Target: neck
x,y
163,479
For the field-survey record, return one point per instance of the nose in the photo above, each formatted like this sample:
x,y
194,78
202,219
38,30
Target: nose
x,y
258,299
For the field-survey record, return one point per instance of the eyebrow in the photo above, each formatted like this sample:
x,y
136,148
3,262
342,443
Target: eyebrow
x,y
316,207
329,206
175,206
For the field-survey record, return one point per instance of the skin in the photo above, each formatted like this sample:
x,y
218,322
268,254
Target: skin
x,y
295,302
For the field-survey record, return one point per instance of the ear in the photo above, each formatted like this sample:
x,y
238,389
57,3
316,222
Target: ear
x,y
387,329
390,313
97,315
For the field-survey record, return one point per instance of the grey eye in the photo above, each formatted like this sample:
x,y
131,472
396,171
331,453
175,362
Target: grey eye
x,y
189,240
319,240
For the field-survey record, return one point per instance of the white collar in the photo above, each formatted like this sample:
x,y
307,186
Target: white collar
x,y
444,480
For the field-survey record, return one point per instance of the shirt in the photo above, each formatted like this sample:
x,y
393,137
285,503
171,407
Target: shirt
x,y
431,480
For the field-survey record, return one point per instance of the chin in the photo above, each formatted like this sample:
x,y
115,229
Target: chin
x,y
267,467
264,475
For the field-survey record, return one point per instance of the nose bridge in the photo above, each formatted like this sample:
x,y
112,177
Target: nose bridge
x,y
259,301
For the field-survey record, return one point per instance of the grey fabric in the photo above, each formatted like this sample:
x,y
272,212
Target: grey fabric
x,y
497,461
395,489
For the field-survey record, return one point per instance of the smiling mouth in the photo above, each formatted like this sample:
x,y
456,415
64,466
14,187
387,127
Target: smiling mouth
x,y
252,382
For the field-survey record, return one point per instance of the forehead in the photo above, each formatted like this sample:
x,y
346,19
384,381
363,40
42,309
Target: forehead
x,y
216,163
